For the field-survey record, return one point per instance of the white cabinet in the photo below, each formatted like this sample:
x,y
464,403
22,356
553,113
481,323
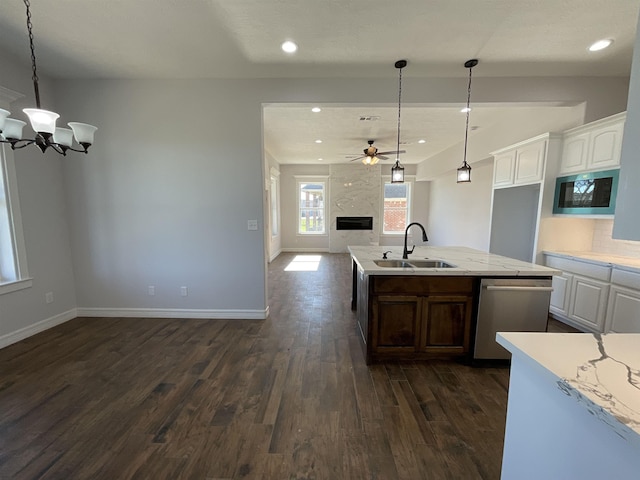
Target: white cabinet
x,y
591,147
520,164
623,311
588,302
504,169
580,293
561,294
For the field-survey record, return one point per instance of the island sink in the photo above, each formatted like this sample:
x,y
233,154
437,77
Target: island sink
x,y
413,264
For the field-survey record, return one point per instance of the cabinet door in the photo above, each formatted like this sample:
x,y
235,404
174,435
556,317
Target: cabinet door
x,y
446,324
503,169
588,302
395,323
530,163
623,311
605,147
561,294
574,153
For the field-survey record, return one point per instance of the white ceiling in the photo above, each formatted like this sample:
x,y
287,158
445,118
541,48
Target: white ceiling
x,y
336,38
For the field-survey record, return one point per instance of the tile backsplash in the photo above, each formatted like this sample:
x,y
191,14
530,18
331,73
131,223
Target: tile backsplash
x,y
603,243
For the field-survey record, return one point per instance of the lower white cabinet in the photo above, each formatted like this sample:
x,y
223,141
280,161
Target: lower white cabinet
x,y
561,294
595,297
623,312
588,303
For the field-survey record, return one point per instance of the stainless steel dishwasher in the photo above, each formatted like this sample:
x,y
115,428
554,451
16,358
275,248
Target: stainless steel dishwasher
x,y
509,305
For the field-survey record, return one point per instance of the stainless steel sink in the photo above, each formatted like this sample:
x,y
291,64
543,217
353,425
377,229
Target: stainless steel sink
x,y
393,263
430,264
413,264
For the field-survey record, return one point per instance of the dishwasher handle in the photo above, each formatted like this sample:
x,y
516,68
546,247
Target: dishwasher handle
x,y
513,288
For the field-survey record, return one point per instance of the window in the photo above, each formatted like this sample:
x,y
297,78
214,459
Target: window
x,y
13,264
311,212
396,207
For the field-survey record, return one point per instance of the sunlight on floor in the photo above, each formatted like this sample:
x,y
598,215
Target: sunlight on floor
x,y
304,263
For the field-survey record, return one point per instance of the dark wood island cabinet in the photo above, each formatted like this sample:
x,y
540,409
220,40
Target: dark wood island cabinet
x,y
416,317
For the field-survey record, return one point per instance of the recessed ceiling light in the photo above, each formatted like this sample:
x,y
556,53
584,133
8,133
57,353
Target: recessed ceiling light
x,y
320,159
289,47
465,110
318,141
600,45
422,141
316,109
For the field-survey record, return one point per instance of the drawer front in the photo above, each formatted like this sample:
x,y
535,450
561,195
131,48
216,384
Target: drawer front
x,y
592,270
416,285
625,278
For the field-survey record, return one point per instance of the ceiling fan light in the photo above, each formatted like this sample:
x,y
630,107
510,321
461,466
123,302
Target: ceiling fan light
x,y
83,132
13,129
42,121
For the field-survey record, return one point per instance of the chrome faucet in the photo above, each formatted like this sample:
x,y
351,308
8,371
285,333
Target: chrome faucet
x,y
406,252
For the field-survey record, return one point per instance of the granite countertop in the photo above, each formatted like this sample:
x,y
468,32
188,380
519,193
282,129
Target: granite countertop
x,y
601,372
625,263
467,261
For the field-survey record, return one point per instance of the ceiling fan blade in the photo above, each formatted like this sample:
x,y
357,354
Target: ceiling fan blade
x,y
393,151
382,157
357,158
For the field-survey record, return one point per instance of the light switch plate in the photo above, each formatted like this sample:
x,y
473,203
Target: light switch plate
x,y
252,224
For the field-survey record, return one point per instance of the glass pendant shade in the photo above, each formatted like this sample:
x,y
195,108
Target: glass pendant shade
x,y
397,173
63,136
464,173
13,129
366,160
83,132
3,115
42,121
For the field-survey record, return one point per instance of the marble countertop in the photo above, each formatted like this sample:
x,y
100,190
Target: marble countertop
x,y
467,261
625,263
601,372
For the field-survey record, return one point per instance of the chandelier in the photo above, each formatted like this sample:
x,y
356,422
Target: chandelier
x,y
43,122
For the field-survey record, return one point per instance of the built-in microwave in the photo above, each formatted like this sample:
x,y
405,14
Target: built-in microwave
x,y
592,193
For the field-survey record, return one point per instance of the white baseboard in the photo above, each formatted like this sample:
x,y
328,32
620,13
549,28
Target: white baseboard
x,y
174,313
41,326
275,255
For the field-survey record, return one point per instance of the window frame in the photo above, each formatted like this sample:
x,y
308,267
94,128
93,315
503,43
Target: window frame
x,y
409,182
324,180
274,203
13,226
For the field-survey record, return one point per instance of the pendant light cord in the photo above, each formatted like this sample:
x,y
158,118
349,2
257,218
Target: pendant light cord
x,y
34,77
399,110
466,131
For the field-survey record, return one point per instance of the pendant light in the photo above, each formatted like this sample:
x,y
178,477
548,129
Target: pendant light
x,y
464,172
397,171
42,121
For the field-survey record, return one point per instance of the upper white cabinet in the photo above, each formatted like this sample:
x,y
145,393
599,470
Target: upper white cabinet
x,y
595,146
520,164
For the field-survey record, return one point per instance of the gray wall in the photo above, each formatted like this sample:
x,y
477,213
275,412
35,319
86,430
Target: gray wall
x,y
164,196
41,188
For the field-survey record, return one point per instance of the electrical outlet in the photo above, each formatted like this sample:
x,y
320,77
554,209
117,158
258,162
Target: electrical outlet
x,y
183,291
48,297
152,290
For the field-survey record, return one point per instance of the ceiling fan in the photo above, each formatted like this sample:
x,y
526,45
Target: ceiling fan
x,y
372,155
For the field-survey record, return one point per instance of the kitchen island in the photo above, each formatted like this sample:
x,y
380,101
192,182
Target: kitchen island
x,y
574,406
407,312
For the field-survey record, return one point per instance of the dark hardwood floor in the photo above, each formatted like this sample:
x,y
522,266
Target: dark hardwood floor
x,y
289,397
